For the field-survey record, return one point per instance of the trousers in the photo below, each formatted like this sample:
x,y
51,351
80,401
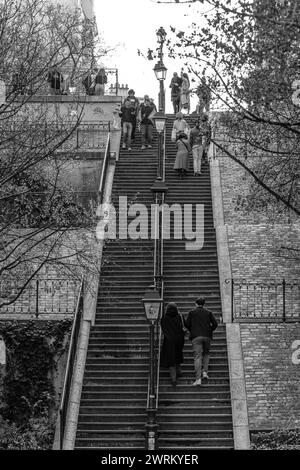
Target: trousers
x,y
201,346
127,129
197,152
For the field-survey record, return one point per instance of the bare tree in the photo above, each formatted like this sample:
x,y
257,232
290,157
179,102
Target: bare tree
x,y
42,224
248,55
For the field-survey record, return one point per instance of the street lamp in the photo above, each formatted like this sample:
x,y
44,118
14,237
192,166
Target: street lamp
x,y
160,123
159,69
152,302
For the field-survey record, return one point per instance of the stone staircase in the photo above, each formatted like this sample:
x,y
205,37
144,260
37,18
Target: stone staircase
x,y
113,402
114,396
194,417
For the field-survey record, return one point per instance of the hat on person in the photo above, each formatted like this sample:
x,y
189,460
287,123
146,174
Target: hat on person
x,y
179,115
131,91
200,301
182,135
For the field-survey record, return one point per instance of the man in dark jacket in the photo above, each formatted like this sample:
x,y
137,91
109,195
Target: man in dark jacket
x,y
126,115
146,114
135,105
201,323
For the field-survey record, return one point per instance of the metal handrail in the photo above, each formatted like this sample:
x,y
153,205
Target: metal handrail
x,y
161,274
104,169
264,300
70,365
158,279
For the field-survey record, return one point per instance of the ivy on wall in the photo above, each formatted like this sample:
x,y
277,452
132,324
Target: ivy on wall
x,y
279,439
28,395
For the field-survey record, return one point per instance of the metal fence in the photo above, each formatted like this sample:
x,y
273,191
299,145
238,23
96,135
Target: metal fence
x,y
85,136
268,300
88,136
40,296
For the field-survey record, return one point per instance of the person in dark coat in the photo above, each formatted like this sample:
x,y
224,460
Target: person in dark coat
x,y
201,323
171,352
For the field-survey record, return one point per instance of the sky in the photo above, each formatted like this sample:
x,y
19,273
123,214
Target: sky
x,y
131,25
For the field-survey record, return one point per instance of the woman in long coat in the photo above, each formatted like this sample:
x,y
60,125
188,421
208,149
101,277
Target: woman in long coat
x,y
171,352
181,164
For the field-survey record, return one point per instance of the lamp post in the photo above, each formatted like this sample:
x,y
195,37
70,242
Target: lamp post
x,y
152,303
160,123
159,69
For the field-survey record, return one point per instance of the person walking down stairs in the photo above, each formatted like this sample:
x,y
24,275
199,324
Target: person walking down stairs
x,y
173,343
181,164
201,323
126,114
196,140
147,111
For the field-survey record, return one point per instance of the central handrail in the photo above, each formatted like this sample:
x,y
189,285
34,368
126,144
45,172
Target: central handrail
x,y
158,272
63,409
159,332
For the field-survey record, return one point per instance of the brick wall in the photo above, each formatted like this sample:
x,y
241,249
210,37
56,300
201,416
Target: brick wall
x,y
59,282
263,244
272,380
258,251
236,184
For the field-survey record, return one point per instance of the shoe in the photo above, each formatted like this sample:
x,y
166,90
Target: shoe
x,y
143,147
200,173
179,374
197,382
174,383
129,148
149,146
123,146
205,377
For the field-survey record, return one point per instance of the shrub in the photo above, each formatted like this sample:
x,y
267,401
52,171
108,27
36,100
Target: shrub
x,y
279,439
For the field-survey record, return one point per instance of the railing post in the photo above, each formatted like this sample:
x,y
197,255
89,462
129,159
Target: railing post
x,y
283,300
37,299
232,294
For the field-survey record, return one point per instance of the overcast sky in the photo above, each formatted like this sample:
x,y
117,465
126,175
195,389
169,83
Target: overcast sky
x,y
131,25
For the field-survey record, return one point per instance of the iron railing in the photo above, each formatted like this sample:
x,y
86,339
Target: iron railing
x,y
39,296
158,275
269,300
104,171
63,409
88,136
85,136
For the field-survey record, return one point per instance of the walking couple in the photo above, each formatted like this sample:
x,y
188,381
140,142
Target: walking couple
x,y
201,323
180,92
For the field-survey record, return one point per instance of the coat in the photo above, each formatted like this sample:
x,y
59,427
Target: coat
x,y
173,342
182,156
201,322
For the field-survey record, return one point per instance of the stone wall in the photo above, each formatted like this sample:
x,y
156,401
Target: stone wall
x,y
263,245
272,372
